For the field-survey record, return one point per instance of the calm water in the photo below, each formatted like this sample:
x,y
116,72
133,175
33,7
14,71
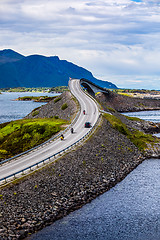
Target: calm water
x,y
13,110
153,116
129,211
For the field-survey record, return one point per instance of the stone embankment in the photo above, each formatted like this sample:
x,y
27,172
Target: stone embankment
x,y
30,204
54,108
123,103
72,181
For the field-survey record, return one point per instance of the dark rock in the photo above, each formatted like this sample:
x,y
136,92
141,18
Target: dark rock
x,y
53,108
123,103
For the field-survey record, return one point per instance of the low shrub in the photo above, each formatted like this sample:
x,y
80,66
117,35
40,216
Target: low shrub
x,y
35,113
64,106
57,99
134,118
111,109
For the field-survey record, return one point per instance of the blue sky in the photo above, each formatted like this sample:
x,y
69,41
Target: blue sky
x,y
117,40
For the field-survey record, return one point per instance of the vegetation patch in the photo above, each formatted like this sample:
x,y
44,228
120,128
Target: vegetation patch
x,y
35,113
36,99
120,90
21,135
111,109
134,118
59,89
125,94
24,89
139,138
64,106
141,105
57,99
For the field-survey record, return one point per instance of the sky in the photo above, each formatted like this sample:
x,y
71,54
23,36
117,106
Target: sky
x,y
117,40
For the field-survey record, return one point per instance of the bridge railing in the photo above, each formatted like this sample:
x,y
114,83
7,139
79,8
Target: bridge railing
x,y
4,179
52,156
44,143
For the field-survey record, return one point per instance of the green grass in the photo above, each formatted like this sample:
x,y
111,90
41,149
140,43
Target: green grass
x,y
139,138
21,135
36,99
59,89
134,118
35,113
57,99
125,94
111,109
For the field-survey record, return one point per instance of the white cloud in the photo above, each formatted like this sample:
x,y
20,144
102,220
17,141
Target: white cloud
x,y
108,37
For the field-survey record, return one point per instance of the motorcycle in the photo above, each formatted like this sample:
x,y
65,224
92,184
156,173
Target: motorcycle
x,y
62,137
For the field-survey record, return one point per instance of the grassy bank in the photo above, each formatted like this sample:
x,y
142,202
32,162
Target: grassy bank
x,y
21,135
139,138
36,99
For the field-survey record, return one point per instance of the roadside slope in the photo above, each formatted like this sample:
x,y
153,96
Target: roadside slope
x,y
54,108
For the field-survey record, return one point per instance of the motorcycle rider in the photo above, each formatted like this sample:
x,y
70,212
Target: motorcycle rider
x,y
62,136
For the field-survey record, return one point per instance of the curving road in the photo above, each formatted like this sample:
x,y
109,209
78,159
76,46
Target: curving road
x,y
92,114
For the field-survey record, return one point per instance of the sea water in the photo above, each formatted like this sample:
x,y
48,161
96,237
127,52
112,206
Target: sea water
x,y
12,110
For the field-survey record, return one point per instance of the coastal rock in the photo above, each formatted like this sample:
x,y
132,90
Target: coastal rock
x,y
152,151
54,108
123,103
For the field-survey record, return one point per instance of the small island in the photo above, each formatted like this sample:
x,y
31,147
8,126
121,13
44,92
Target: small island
x,y
35,99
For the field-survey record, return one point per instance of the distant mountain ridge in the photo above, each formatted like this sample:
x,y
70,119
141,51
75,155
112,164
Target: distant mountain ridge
x,y
8,55
17,70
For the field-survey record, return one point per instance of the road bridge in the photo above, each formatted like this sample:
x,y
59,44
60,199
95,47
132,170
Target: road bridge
x,y
92,88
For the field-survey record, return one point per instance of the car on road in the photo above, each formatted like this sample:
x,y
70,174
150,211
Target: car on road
x,y
87,125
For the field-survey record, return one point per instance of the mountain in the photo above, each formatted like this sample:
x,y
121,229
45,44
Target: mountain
x,y
17,70
8,55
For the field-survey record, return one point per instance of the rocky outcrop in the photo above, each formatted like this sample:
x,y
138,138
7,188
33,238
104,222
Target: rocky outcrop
x,y
152,151
123,103
139,124
54,108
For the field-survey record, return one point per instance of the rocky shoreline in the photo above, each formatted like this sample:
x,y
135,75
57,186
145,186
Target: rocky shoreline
x,y
31,203
123,103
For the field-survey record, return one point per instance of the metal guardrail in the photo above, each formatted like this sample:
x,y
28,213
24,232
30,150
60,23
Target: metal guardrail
x,y
49,158
44,143
56,154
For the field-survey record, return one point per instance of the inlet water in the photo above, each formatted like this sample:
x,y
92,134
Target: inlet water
x,y
129,211
153,116
12,110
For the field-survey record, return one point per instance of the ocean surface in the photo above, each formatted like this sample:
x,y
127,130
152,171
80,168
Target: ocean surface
x,y
13,110
153,116
129,211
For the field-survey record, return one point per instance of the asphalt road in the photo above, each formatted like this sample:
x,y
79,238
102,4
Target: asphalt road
x,y
48,150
